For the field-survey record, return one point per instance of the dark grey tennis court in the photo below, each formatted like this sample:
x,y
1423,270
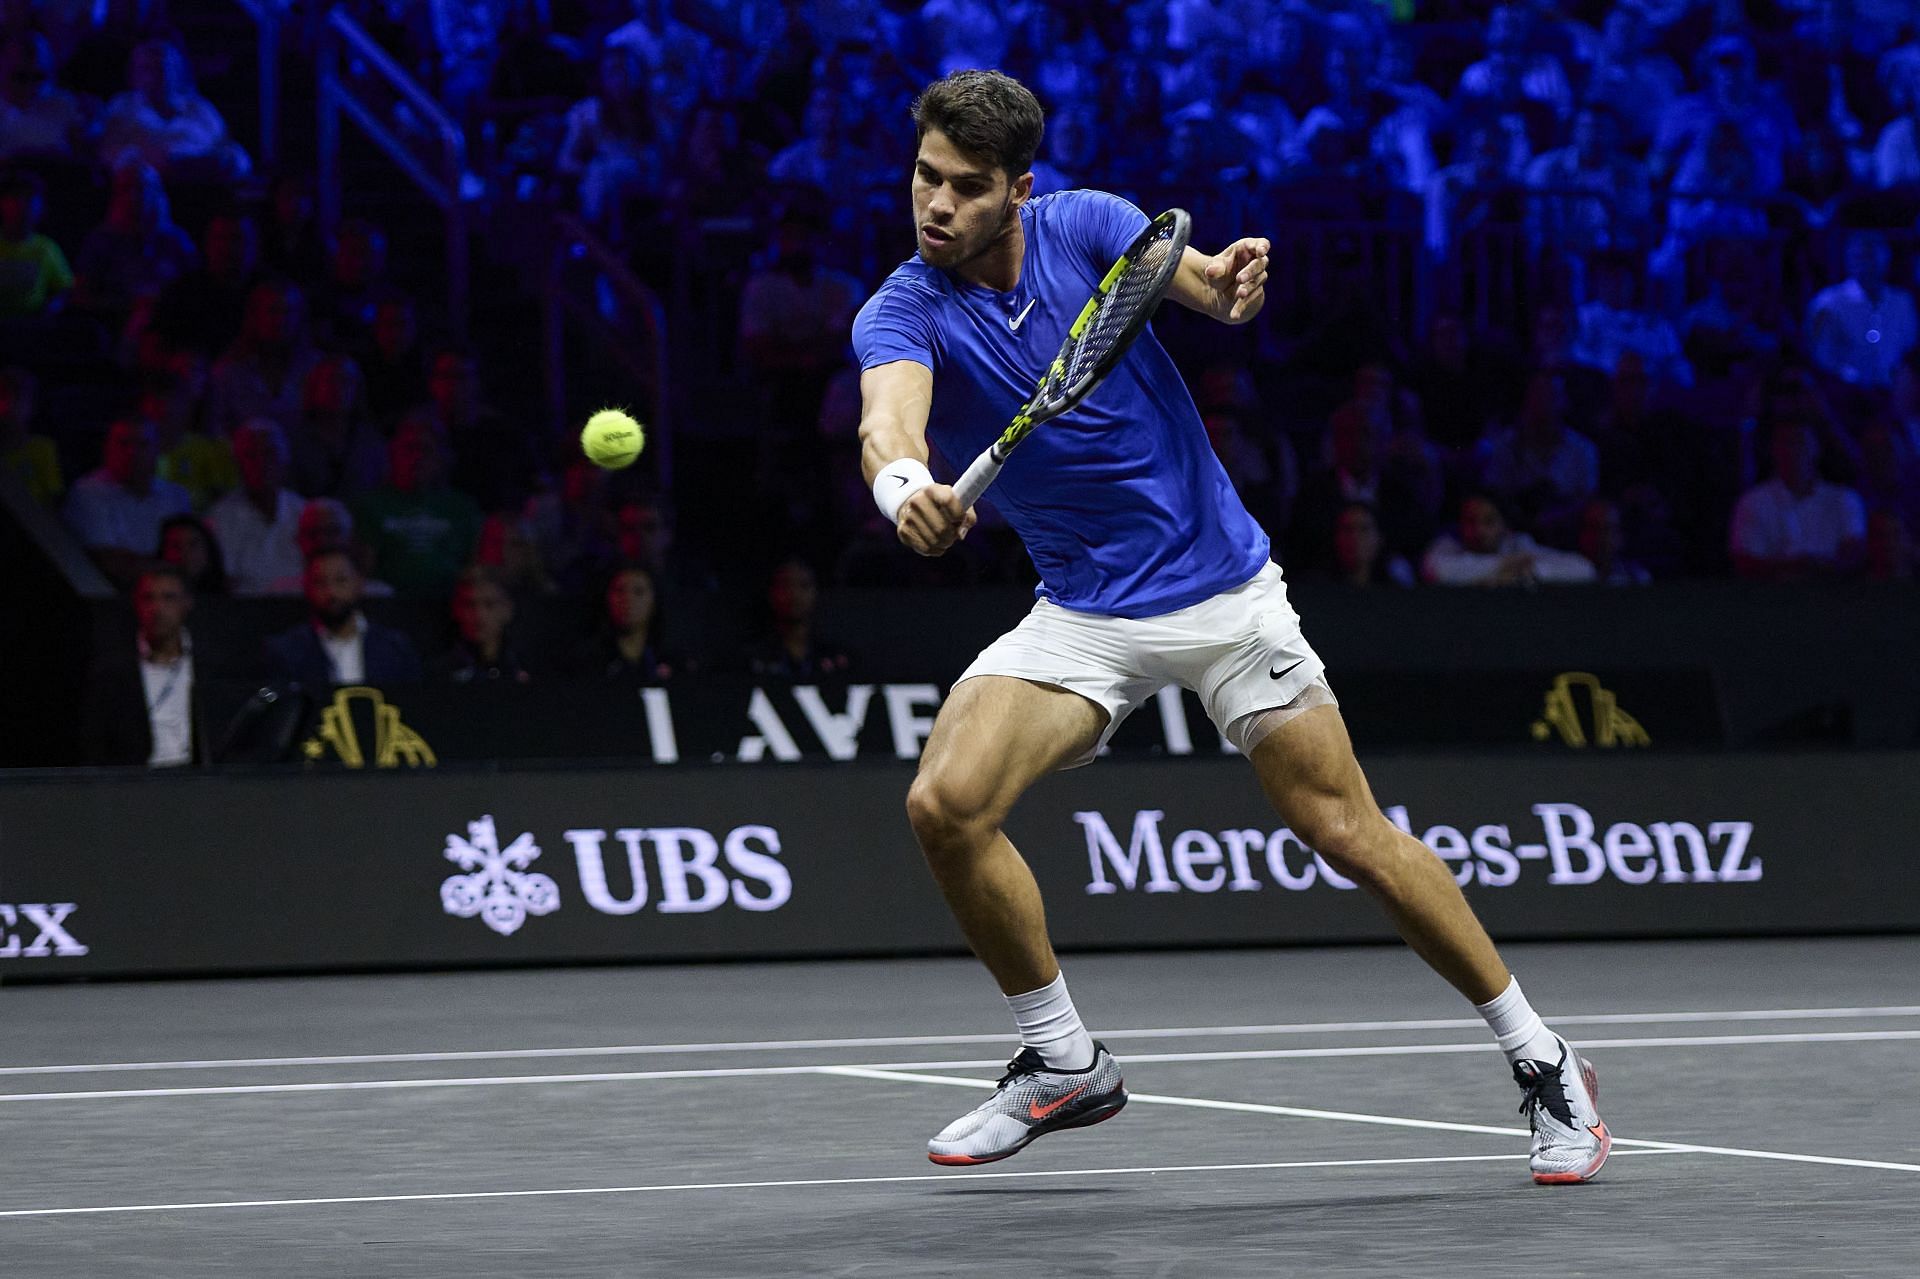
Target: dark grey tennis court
x,y
1295,1112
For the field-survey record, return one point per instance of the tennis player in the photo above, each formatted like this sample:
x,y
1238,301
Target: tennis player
x,y
1151,572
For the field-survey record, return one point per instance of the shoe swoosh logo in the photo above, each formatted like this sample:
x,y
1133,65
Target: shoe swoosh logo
x,y
1282,674
1039,1111
1014,323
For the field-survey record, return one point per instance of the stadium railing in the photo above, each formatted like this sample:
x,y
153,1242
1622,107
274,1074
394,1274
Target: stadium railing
x,y
359,80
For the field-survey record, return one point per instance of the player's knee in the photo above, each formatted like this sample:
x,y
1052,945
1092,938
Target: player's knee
x,y
945,811
1358,844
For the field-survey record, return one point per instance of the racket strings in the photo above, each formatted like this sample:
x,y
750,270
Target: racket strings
x,y
1139,286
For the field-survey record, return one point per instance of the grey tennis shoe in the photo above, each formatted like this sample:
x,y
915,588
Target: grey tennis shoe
x,y
1033,1099
1569,1140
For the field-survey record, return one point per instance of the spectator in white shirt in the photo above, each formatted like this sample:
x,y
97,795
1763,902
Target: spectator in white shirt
x,y
140,704
1858,329
258,523
1796,525
1485,552
116,511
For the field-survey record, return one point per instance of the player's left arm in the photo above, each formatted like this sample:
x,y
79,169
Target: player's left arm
x,y
1230,286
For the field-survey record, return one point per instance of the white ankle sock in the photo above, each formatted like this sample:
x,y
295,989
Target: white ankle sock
x,y
1518,1028
1049,1025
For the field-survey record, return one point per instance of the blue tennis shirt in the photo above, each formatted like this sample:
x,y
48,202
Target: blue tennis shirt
x,y
1121,502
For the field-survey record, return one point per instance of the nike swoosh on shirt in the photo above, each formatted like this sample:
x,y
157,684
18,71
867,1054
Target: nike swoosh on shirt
x,y
1039,1111
1013,322
1283,674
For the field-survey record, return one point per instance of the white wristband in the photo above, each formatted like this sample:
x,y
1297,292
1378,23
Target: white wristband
x,y
898,481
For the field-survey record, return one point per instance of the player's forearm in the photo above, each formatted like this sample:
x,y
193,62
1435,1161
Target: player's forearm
x,y
885,440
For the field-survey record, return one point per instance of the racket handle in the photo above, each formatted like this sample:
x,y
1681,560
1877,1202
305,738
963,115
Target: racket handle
x,y
971,485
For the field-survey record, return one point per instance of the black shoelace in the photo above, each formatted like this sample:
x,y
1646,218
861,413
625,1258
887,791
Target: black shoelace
x,y
1543,1087
1027,1063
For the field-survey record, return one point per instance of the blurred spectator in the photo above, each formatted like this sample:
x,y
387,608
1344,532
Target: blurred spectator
x,y
482,611
256,523
1616,321
1797,525
391,362
493,460
327,525
162,121
648,527
790,648
345,306
173,400
1738,321
1410,115
1452,386
137,251
421,532
1733,94
1630,76
965,33
336,644
33,459
1360,556
291,245
1358,473
1619,209
626,642
37,117
1540,466
1603,541
1890,555
1889,472
187,542
1483,551
336,450
203,309
1459,196
1858,329
507,547
116,511
716,174
1821,175
795,317
141,707
1514,73
264,372
1267,482
575,528
34,275
1896,153
1906,402
612,149
827,151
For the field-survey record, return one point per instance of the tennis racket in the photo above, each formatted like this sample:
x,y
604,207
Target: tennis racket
x,y
1113,317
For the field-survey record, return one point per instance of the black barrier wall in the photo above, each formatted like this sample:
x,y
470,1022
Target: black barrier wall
x,y
161,875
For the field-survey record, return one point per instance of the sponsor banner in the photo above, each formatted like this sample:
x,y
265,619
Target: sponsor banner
x,y
722,720
446,867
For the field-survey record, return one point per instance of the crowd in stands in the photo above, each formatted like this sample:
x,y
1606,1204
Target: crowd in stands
x,y
1711,364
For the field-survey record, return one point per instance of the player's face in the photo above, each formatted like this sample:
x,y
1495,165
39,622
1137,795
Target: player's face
x,y
961,204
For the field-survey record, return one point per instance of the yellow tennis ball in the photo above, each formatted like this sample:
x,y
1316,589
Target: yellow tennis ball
x,y
612,439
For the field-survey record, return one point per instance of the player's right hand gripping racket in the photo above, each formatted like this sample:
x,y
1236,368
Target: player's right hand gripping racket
x,y
1112,318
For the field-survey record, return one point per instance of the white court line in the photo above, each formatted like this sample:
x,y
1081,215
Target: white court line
x,y
782,1185
928,1041
740,1072
1396,1121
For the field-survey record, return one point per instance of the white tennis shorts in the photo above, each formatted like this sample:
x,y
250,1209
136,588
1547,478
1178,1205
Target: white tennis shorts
x,y
1242,651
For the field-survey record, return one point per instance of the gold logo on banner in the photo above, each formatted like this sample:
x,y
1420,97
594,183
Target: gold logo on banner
x,y
1561,714
394,744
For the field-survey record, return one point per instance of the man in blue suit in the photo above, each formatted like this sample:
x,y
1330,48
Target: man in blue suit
x,y
337,644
